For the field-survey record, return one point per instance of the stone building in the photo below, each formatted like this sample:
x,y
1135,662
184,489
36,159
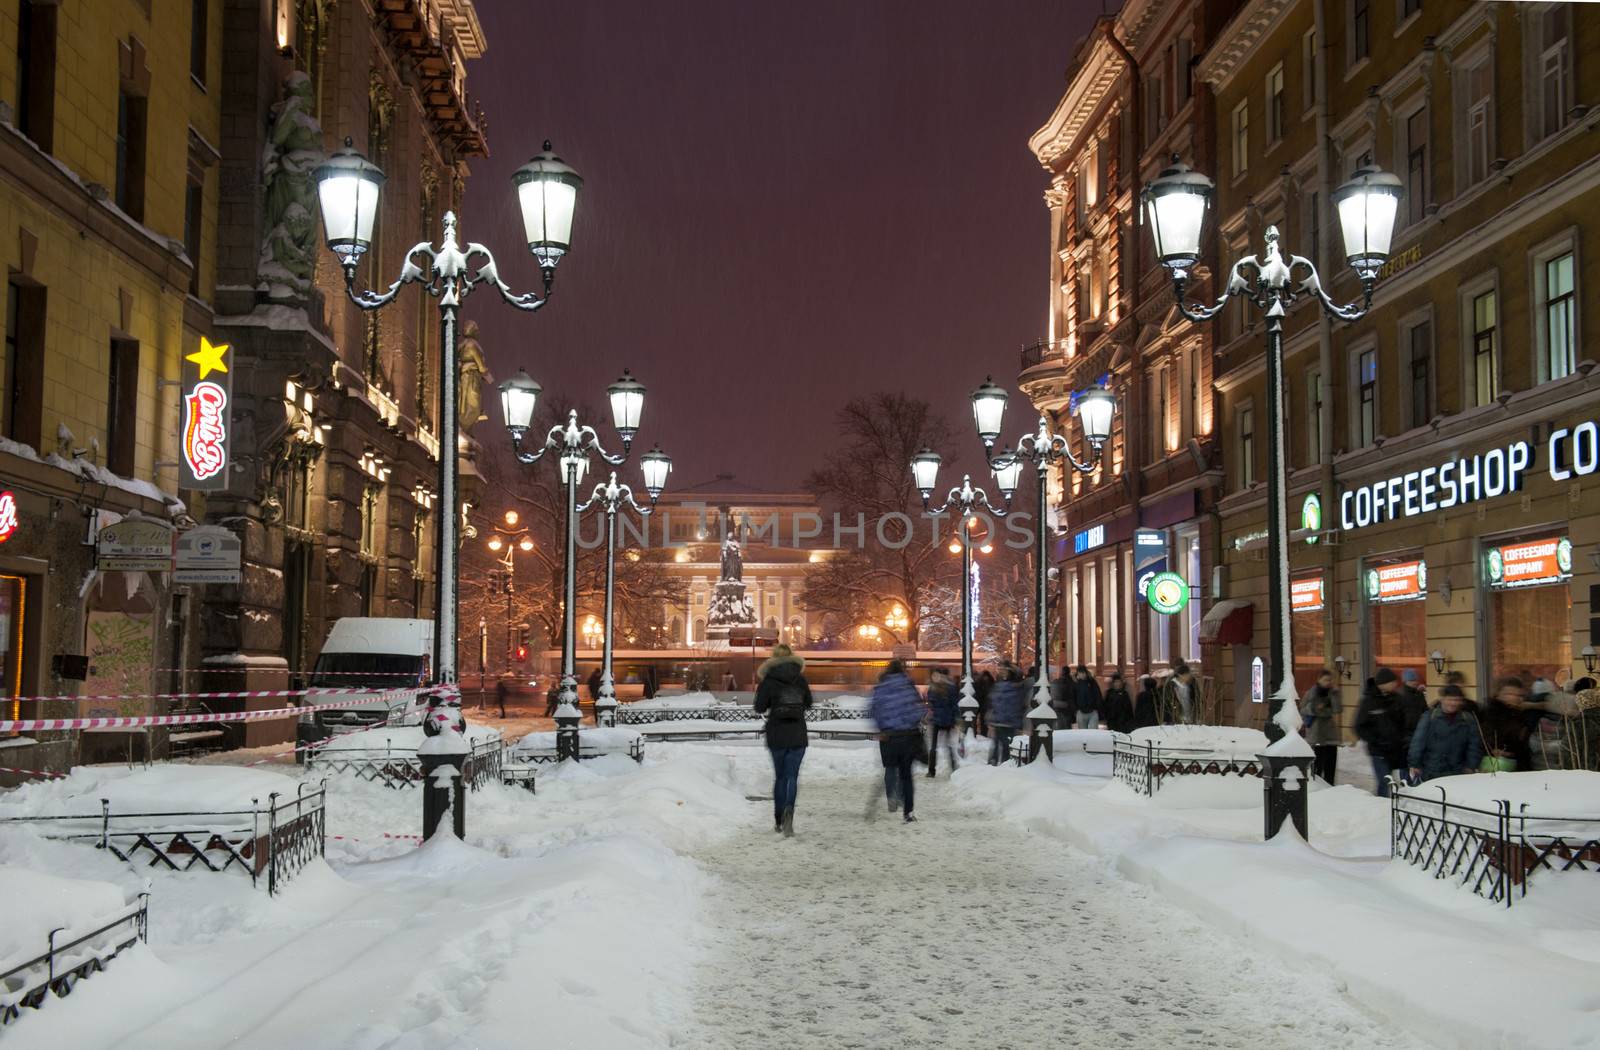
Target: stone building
x,y
336,408
1445,442
1130,104
110,116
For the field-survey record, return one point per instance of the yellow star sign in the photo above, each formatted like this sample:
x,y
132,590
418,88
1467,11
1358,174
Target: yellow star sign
x,y
209,356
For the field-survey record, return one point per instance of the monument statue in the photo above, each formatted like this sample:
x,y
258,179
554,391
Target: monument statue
x,y
730,605
473,372
732,558
293,151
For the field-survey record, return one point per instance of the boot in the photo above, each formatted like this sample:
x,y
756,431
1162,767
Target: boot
x,y
788,823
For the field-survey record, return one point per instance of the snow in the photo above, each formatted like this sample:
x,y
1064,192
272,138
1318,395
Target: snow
x,y
176,789
678,701
1221,741
601,738
52,901
398,738
1552,793
1086,752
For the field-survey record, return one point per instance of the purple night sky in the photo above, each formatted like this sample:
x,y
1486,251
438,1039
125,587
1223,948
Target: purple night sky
x,y
783,205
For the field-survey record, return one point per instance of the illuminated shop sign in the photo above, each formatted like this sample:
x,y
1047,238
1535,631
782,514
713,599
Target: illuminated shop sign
x,y
1305,594
1405,581
1089,539
1149,558
207,404
1530,562
8,515
1311,516
1168,593
1453,483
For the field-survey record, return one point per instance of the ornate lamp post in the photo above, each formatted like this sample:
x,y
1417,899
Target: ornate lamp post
x,y
349,187
1175,204
612,496
573,441
1094,408
963,501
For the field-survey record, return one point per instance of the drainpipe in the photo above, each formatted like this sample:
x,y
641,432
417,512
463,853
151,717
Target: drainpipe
x,y
1325,331
1130,289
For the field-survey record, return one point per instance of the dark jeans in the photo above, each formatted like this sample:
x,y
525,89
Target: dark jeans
x,y
1327,758
1380,769
1002,744
950,734
899,754
785,778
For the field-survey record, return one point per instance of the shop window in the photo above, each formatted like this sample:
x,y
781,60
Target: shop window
x,y
1245,425
36,71
1189,618
1557,320
1275,104
13,610
1474,98
1548,37
22,401
1397,620
1241,138
132,118
1367,398
197,41
1308,628
1359,30
122,406
1113,647
1414,150
1530,607
1308,69
1091,616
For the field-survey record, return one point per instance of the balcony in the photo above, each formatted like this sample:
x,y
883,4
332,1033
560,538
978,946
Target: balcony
x,y
1044,373
427,31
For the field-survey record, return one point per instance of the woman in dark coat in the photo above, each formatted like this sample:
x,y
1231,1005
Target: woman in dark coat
x,y
1505,728
1144,708
982,688
1116,708
783,696
1086,698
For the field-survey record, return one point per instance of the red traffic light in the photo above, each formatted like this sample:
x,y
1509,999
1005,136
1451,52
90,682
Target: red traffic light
x,y
522,654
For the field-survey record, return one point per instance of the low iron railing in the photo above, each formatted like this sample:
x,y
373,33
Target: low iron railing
x,y
30,983
1145,766
1493,852
275,841
633,714
521,759
401,768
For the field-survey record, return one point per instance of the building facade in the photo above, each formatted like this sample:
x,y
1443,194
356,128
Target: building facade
x,y
1131,104
108,189
336,409
1440,449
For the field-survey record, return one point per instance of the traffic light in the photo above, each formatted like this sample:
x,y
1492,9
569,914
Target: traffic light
x,y
522,654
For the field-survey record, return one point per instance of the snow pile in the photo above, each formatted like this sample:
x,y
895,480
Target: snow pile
x,y
1086,752
175,789
859,705
1552,793
39,903
398,738
679,701
1217,741
603,739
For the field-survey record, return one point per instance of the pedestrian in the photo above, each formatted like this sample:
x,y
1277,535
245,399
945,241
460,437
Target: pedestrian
x,y
594,684
983,689
1413,701
1505,728
1583,732
501,688
1145,707
1006,707
1381,725
652,681
1459,680
1177,695
783,694
942,713
1547,711
1321,709
898,713
1447,741
1116,707
552,698
1085,699
1063,699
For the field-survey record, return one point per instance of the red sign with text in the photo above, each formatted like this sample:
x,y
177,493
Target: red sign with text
x,y
1305,595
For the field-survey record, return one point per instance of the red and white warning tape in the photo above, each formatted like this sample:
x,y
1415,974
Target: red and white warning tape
x,y
31,772
25,725
238,694
281,670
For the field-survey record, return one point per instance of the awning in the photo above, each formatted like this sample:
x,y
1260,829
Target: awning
x,y
1229,622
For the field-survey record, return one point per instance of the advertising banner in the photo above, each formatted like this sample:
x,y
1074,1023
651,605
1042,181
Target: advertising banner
x,y
207,417
1149,558
1305,594
1404,581
1529,563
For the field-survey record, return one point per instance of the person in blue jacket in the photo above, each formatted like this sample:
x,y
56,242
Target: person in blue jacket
x,y
1447,740
898,712
1007,705
943,695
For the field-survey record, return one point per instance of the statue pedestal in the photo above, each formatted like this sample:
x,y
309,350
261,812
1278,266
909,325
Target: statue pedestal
x,y
730,608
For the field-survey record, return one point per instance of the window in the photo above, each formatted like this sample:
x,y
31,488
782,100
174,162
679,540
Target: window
x,y
1085,296
193,216
1155,99
197,40
36,72
1091,618
1360,30
1558,316
1241,138
1314,409
1485,348
131,114
22,406
1113,650
1367,405
1183,76
1091,178
369,521
1313,227
1158,414
1308,69
1475,118
369,590
1415,147
1275,104
1549,37
1247,445
296,582
1407,8
1420,340
122,406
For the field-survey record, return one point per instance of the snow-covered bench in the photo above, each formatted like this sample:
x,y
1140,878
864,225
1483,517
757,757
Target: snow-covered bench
x,y
541,748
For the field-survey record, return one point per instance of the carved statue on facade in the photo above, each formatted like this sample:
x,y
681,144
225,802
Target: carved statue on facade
x,y
292,153
473,372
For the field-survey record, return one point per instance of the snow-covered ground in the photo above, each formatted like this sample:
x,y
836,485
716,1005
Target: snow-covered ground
x,y
633,905
399,738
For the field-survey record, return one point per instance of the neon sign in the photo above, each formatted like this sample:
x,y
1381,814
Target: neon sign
x,y
8,515
207,396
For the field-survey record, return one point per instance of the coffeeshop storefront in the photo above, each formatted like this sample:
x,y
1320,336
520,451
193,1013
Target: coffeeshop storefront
x,y
1478,561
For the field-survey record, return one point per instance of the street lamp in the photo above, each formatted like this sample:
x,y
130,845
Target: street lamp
x,y
349,188
510,540
612,497
1175,204
573,441
1095,407
592,631
963,500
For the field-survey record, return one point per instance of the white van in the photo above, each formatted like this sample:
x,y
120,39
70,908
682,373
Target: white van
x,y
377,655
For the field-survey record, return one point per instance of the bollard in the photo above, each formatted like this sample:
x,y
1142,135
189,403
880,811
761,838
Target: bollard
x,y
568,718
605,710
1285,784
443,757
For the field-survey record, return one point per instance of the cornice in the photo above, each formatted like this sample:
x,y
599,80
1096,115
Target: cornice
x,y
1087,89
1239,38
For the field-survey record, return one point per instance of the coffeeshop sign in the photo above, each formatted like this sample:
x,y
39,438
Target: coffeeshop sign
x,y
1570,452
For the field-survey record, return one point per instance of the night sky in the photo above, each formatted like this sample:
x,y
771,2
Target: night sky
x,y
783,204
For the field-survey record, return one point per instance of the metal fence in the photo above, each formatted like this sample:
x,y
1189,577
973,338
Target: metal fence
x,y
521,759
1493,852
401,768
1144,767
275,841
636,714
64,965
